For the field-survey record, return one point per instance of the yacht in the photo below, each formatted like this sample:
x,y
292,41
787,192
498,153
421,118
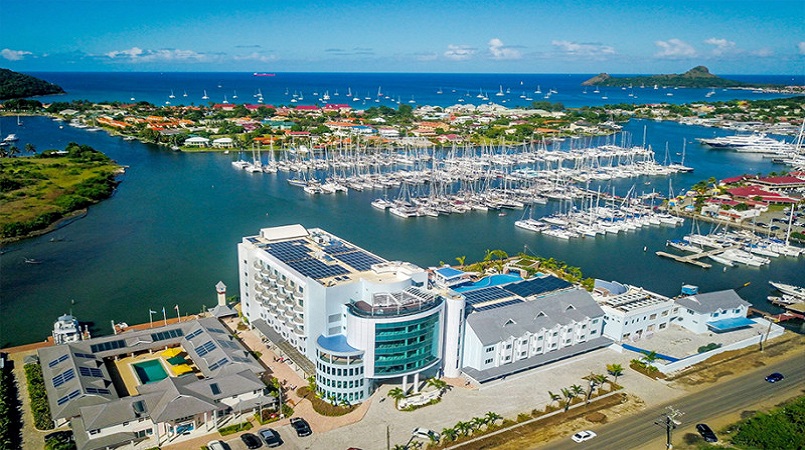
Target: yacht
x,y
66,329
788,289
11,138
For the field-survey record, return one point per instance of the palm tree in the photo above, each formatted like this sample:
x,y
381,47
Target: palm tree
x,y
492,417
438,384
599,380
461,260
478,422
615,370
650,358
449,434
29,148
577,390
463,427
568,397
13,151
397,394
554,397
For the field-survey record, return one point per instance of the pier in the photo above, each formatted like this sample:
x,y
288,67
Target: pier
x,y
693,258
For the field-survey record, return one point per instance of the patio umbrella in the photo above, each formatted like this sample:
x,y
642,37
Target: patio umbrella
x,y
171,352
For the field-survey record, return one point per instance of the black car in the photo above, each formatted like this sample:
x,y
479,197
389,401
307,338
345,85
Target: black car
x,y
251,440
774,377
271,437
301,426
706,433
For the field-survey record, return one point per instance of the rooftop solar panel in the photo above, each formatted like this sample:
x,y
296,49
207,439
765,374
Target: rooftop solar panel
x,y
316,269
536,286
513,301
358,259
485,295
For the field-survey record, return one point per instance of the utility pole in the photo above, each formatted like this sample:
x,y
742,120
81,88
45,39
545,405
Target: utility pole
x,y
669,421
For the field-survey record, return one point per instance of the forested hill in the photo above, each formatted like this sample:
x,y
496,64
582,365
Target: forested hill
x,y
18,85
698,77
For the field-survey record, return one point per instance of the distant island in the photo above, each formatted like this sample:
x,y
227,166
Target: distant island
x,y
18,85
697,77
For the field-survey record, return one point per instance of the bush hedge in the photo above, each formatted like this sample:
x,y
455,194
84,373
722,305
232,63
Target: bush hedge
x,y
38,396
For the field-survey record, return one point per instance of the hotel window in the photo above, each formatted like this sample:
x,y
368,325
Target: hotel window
x,y
652,317
593,331
508,346
488,361
539,338
662,325
489,349
665,313
595,320
539,349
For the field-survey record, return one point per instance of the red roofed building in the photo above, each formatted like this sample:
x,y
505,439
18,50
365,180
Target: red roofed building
x,y
337,107
783,183
224,106
752,192
307,109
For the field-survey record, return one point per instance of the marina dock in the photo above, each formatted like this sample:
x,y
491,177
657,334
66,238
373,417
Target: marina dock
x,y
693,258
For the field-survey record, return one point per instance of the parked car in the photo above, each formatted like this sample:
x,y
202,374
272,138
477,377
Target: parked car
x,y
425,433
271,437
217,445
251,440
774,377
706,433
582,436
301,426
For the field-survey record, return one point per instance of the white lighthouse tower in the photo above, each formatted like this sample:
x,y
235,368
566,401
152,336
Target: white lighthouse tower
x,y
222,309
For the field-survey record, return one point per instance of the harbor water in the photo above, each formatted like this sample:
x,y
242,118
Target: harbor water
x,y
168,235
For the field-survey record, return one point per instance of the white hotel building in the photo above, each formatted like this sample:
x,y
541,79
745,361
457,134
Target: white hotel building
x,y
353,319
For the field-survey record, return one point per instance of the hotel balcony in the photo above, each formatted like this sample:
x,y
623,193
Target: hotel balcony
x,y
299,332
298,309
298,320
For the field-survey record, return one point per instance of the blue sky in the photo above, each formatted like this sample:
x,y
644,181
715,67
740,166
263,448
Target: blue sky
x,y
582,36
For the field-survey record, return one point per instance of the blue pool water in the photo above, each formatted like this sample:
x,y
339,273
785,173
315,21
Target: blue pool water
x,y
492,280
150,371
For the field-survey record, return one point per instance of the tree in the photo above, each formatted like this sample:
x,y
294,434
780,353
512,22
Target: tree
x,y
650,358
615,370
13,151
492,417
397,394
577,390
599,380
569,395
478,422
463,427
461,260
449,434
29,148
554,397
438,384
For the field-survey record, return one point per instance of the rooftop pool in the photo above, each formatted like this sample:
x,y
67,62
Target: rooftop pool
x,y
491,280
150,371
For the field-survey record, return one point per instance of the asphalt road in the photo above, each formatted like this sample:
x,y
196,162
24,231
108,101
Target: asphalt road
x,y
639,431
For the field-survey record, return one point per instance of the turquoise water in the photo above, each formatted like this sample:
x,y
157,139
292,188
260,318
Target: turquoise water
x,y
150,371
492,280
169,234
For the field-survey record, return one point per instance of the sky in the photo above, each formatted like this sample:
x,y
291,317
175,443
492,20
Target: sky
x,y
437,36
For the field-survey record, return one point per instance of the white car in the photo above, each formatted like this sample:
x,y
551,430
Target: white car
x,y
582,436
217,445
425,433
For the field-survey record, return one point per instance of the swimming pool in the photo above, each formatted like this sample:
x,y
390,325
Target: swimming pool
x,y
492,280
150,371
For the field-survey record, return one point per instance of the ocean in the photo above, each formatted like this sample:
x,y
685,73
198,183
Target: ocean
x,y
395,88
169,233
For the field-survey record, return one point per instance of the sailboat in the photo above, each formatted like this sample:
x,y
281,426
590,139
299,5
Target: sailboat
x,y
500,92
171,96
205,97
681,167
538,91
184,94
235,95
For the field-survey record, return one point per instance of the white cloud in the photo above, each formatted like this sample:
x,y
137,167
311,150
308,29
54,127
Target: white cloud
x,y
674,48
432,56
459,52
255,56
136,54
14,55
722,46
500,51
801,47
583,49
767,52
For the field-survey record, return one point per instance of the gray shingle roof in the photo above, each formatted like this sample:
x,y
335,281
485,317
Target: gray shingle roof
x,y
546,312
713,301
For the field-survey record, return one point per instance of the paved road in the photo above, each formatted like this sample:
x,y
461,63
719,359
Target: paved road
x,y
639,431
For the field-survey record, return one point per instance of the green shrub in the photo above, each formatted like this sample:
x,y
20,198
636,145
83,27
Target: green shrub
x,y
39,397
232,429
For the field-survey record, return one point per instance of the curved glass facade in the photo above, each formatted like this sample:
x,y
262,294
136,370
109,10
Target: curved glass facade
x,y
405,347
339,375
